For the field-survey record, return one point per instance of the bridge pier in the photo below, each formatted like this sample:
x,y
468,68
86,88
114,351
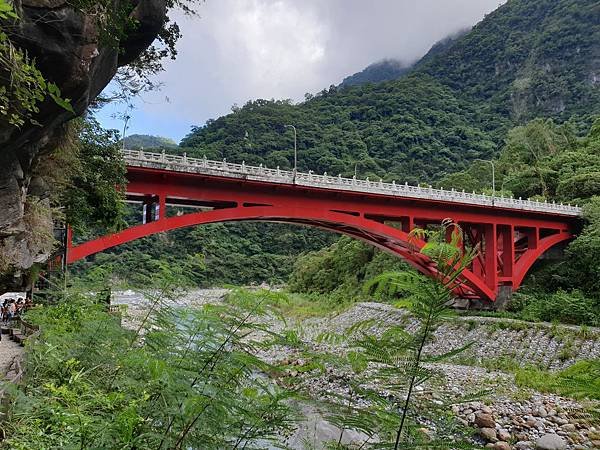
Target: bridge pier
x,y
150,209
503,298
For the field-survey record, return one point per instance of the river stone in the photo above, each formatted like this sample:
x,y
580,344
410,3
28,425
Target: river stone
x,y
550,442
504,435
484,420
486,410
502,446
568,427
488,434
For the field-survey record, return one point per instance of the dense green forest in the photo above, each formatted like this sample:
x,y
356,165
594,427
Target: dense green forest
x,y
143,141
527,59
465,100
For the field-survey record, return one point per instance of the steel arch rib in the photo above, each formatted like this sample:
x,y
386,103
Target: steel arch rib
x,y
527,260
382,236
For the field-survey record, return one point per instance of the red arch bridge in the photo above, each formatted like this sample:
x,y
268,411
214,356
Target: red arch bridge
x,y
511,233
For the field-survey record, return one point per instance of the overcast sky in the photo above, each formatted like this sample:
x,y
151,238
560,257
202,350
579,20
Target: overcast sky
x,y
237,50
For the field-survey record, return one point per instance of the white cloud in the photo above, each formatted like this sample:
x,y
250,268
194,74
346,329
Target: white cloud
x,y
264,46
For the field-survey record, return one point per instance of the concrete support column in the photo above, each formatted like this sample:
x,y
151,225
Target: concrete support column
x,y
503,297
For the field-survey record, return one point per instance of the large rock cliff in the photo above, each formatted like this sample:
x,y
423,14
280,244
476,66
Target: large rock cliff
x,y
69,51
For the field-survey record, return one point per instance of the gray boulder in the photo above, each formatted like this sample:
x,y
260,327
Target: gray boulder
x,y
550,442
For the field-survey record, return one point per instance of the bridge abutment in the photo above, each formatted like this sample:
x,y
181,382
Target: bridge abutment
x,y
503,298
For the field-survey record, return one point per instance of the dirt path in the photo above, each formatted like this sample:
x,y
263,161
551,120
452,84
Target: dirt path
x,y
9,350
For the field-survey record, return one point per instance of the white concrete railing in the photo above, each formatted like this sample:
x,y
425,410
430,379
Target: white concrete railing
x,y
139,158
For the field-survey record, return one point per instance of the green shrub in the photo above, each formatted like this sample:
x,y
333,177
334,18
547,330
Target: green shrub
x,y
581,380
567,307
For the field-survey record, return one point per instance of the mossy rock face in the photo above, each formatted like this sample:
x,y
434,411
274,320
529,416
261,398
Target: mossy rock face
x,y
66,48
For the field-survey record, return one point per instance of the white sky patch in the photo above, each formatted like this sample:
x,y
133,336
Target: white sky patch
x,y
268,49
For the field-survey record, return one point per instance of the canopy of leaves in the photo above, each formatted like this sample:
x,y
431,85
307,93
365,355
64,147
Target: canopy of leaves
x,y
409,130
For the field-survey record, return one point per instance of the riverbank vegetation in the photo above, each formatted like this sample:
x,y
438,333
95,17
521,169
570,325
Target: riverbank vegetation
x,y
181,377
581,380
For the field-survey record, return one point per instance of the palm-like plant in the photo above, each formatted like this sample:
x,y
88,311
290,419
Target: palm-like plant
x,y
395,358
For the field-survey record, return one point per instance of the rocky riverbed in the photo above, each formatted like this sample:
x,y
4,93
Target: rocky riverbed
x,y
506,417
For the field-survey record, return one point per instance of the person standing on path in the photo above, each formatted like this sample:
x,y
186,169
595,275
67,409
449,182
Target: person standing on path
x,y
11,310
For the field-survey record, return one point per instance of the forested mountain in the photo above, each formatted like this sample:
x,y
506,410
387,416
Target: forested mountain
x,y
530,58
388,69
145,141
527,59
412,130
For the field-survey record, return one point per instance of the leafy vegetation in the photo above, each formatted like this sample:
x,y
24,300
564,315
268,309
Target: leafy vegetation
x,y
581,380
22,86
339,271
191,382
91,196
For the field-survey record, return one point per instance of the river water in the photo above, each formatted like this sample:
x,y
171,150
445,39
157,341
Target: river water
x,y
313,430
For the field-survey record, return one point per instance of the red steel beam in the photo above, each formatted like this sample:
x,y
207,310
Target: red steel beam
x,y
357,214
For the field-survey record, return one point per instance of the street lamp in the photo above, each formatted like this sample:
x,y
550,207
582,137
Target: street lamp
x,y
295,149
493,176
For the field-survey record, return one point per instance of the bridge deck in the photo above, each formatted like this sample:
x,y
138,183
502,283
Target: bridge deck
x,y
135,158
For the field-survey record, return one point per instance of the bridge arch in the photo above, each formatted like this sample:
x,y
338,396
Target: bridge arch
x,y
381,235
